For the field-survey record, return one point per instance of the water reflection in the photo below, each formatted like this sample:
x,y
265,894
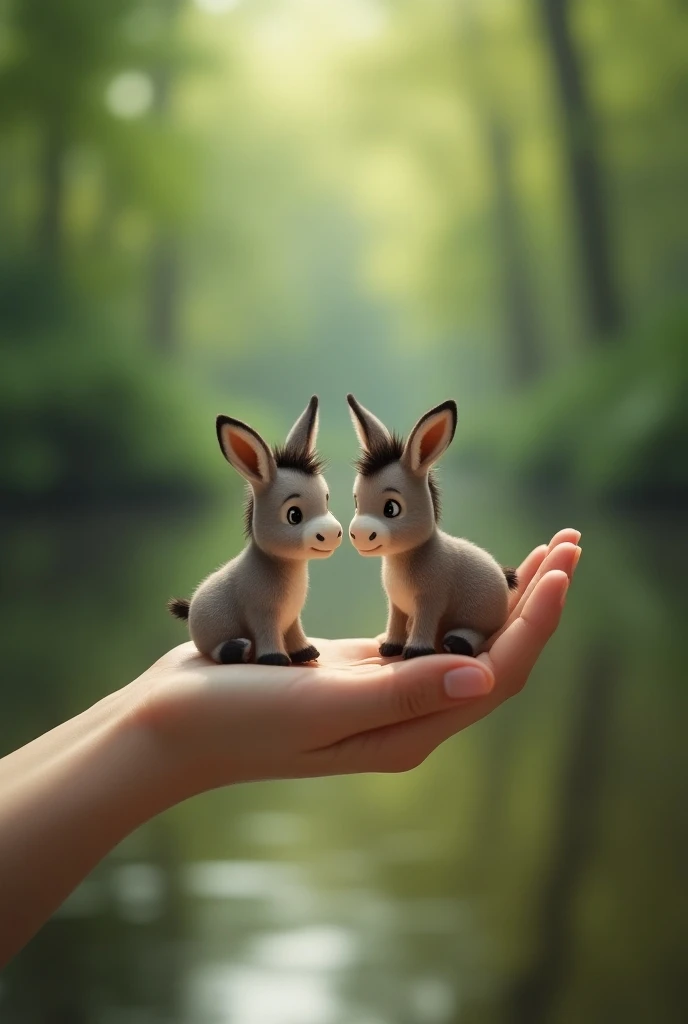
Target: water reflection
x,y
530,871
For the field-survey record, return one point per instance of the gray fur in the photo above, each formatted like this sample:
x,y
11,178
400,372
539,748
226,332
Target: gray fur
x,y
437,586
258,596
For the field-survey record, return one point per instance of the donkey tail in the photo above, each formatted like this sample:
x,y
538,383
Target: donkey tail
x,y
511,577
179,607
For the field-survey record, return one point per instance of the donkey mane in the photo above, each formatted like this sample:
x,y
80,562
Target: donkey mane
x,y
290,457
286,457
383,452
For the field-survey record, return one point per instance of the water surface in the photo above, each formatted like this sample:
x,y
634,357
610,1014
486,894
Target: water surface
x,y
531,870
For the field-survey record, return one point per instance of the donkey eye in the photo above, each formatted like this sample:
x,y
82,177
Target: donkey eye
x,y
294,515
392,508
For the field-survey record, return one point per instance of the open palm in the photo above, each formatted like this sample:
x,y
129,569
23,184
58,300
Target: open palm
x,y
353,711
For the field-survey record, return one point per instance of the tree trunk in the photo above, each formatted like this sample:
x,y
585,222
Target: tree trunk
x,y
524,350
49,231
525,355
163,289
594,245
164,282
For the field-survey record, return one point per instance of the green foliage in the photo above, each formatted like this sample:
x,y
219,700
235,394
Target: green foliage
x,y
97,422
240,204
613,426
87,414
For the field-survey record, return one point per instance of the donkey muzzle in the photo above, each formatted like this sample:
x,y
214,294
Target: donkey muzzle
x,y
322,535
368,534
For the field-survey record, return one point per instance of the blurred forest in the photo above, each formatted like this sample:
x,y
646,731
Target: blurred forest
x,y
225,205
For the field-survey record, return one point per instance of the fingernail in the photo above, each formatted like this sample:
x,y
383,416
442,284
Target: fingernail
x,y
564,593
576,559
466,682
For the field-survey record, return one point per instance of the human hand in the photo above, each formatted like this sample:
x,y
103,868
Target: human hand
x,y
353,711
188,725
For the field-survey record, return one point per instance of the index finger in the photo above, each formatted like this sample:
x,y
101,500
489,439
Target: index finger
x,y
515,651
528,568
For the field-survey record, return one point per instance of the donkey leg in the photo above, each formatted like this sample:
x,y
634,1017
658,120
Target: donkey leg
x,y
395,634
232,652
297,645
423,629
463,641
270,649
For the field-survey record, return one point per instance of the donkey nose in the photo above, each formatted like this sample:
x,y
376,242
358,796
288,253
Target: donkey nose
x,y
325,530
372,536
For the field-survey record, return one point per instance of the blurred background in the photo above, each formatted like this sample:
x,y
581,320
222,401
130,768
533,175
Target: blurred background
x,y
225,206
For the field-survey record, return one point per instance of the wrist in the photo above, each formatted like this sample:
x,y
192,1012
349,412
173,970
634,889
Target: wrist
x,y
171,747
153,773
76,792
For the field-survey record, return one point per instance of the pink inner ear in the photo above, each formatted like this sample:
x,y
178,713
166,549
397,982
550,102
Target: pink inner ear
x,y
430,440
245,452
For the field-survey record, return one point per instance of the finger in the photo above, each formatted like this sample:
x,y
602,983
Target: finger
x,y
563,557
371,697
528,568
526,571
516,650
566,536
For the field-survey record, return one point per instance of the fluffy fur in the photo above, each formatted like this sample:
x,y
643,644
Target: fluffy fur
x,y
383,453
251,607
179,607
443,592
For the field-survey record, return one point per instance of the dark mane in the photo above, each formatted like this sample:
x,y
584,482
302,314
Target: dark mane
x,y
248,512
286,457
289,457
435,495
383,453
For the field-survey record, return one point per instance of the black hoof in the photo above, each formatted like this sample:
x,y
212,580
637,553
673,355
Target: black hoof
x,y
418,652
458,645
310,653
273,659
233,652
390,650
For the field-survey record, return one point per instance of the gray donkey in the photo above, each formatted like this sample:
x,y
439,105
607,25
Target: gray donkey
x,y
443,593
252,605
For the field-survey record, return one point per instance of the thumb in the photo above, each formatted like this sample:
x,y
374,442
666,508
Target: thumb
x,y
372,696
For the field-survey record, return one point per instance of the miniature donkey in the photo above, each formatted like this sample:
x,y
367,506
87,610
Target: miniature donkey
x,y
443,593
252,605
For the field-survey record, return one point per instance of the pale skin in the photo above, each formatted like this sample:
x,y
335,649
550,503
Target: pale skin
x,y
188,725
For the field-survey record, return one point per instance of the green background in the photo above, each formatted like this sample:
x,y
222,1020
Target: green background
x,y
226,206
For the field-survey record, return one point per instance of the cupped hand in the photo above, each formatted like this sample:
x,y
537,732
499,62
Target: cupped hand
x,y
351,712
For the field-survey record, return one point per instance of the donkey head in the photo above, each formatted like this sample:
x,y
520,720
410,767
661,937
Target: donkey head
x,y
396,498
287,514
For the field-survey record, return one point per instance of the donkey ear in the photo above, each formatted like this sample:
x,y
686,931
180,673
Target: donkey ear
x,y
371,431
303,434
430,438
246,451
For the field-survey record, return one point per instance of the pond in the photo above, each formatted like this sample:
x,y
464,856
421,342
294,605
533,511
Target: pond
x,y
532,870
